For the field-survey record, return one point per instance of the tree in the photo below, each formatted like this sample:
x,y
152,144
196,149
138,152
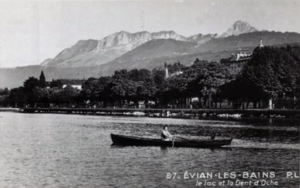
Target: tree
x,y
139,75
4,91
42,80
63,97
69,94
95,90
40,96
274,70
206,80
158,76
242,90
31,83
17,98
56,83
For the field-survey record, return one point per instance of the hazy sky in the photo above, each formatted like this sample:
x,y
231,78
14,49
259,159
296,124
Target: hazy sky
x,y
31,31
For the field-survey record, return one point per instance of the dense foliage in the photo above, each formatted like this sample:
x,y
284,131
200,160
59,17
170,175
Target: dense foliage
x,y
272,73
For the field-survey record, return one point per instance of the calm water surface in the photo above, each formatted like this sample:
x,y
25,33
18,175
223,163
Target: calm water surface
x,y
55,150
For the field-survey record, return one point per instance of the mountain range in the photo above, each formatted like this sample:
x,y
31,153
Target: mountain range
x,y
94,58
97,52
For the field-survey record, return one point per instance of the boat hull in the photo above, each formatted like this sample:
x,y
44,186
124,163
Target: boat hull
x,y
123,140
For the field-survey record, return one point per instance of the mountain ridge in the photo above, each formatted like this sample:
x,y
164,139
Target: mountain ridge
x,y
96,52
239,27
213,50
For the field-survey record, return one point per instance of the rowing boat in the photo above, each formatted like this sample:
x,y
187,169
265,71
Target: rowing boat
x,y
124,140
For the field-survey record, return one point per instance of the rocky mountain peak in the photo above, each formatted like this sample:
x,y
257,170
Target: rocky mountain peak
x,y
239,27
200,38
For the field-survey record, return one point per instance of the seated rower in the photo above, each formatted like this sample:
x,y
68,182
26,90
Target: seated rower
x,y
165,135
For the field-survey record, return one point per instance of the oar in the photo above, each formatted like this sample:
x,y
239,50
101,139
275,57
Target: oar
x,y
181,137
148,133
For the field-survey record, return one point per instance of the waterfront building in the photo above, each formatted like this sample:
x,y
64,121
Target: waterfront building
x,y
76,86
168,75
240,58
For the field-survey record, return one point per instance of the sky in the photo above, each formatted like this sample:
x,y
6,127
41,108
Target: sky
x,y
32,31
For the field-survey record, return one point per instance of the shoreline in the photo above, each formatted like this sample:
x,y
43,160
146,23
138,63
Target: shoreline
x,y
10,109
167,113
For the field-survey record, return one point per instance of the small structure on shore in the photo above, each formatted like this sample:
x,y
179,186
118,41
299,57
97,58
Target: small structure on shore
x,y
166,71
76,86
241,57
175,73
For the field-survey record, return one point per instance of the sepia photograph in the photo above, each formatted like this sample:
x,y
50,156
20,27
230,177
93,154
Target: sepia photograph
x,y
149,93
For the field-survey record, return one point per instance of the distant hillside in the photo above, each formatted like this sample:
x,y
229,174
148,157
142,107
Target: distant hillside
x,y
14,77
157,48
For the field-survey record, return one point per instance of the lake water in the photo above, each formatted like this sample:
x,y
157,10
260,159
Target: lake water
x,y
56,150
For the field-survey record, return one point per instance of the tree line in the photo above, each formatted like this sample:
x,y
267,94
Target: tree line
x,y
270,78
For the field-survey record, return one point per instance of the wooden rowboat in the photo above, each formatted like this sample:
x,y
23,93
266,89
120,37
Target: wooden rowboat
x,y
124,140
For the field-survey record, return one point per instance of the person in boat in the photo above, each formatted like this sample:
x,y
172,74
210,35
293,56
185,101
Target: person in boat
x,y
165,135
